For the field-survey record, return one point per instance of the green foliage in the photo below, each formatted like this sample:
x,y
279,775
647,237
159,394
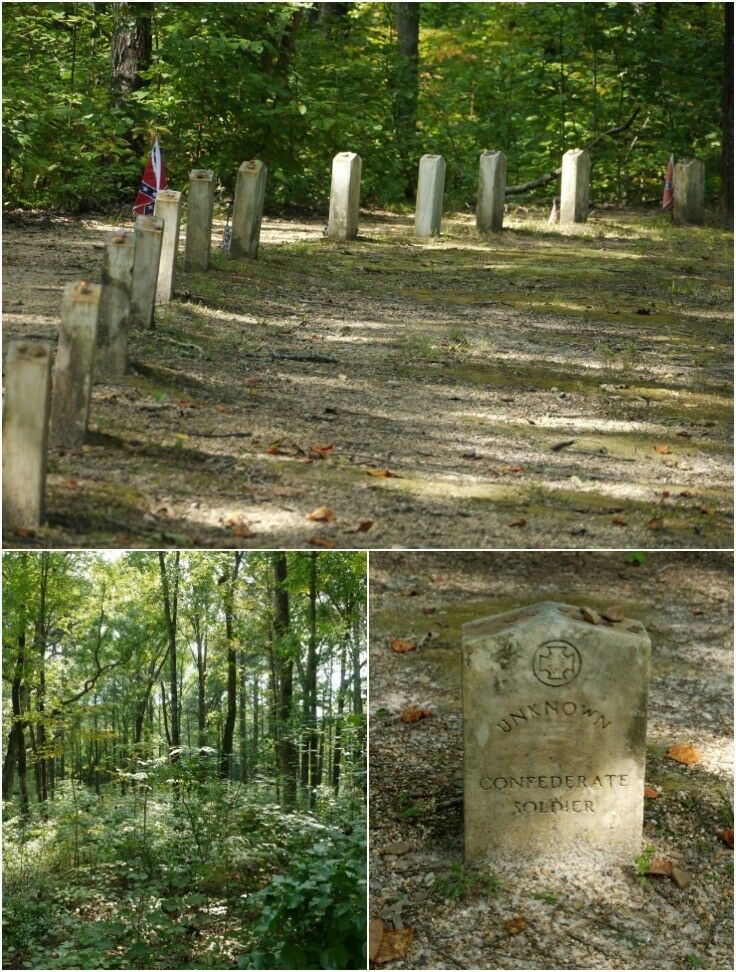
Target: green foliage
x,y
233,81
644,861
637,557
460,884
313,916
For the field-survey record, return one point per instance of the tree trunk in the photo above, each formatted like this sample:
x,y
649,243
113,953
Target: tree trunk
x,y
171,600
407,88
45,563
15,756
337,750
243,725
131,49
226,750
725,202
287,754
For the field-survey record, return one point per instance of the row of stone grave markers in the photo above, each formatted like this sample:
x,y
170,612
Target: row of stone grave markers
x,y
138,272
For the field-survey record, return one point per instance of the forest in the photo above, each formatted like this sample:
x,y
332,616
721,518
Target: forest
x,y
184,775
87,84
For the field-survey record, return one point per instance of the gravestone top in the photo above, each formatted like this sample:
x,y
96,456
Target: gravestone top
x,y
202,174
554,719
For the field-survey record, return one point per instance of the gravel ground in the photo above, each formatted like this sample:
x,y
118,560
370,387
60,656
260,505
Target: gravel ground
x,y
543,387
579,914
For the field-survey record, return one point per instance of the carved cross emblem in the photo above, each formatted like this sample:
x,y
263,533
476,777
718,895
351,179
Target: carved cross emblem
x,y
556,663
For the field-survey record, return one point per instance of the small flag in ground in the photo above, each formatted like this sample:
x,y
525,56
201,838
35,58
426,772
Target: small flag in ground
x,y
668,181
154,178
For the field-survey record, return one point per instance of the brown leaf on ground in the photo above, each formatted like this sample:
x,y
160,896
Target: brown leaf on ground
x,y
697,613
507,470
24,532
71,484
321,542
428,610
685,754
413,714
726,835
708,510
382,473
652,793
663,450
364,526
242,531
521,522
686,494
660,867
681,878
515,925
402,645
323,514
656,523
395,945
322,450
375,937
186,403
276,450
619,521
223,408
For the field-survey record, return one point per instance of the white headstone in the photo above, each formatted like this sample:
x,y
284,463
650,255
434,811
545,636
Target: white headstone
x,y
168,208
575,186
688,187
491,192
430,192
250,197
113,319
200,203
344,196
554,721
148,235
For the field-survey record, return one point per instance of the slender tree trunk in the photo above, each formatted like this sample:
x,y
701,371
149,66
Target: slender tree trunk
x,y
15,756
243,723
170,600
131,48
725,202
337,749
45,563
226,751
288,761
407,88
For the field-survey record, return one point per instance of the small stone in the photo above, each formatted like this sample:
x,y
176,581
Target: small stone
x,y
591,616
614,613
400,847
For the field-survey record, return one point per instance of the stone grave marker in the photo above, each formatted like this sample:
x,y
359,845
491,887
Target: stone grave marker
x,y
114,314
344,196
74,365
167,208
25,433
200,203
554,724
430,192
250,196
148,235
491,192
575,186
688,193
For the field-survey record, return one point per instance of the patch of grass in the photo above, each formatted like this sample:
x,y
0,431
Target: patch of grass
x,y
644,861
459,884
406,810
693,961
550,899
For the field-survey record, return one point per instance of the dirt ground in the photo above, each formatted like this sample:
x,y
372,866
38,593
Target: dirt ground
x,y
542,387
607,917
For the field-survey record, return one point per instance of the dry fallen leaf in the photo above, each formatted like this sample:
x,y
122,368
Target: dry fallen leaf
x,y
697,613
516,925
510,469
323,514
413,714
428,610
401,645
375,937
660,866
383,473
395,945
685,754
652,793
321,542
363,526
521,522
242,531
223,408
186,403
656,523
686,493
322,450
25,532
680,877
708,510
726,835
619,521
71,484
663,450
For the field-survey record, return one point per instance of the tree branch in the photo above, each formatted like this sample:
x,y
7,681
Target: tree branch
x,y
551,176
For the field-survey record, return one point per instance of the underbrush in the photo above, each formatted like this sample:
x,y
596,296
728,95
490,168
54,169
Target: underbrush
x,y
181,874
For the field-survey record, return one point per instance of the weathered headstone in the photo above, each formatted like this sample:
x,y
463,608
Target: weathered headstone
x,y
575,186
168,208
554,718
200,202
74,365
114,316
491,191
148,235
344,196
250,196
688,203
430,192
25,433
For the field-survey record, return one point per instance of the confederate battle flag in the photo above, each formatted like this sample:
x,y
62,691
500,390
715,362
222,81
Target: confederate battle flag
x,y
668,180
154,178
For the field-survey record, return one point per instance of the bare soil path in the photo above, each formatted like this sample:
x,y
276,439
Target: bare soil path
x,y
600,917
543,387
